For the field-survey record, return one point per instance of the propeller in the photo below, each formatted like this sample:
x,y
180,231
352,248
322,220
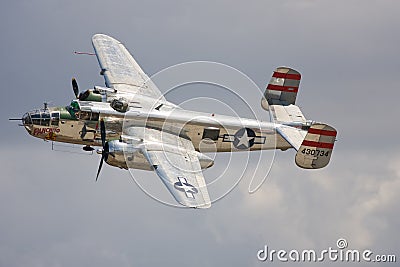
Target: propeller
x,y
84,131
75,87
81,95
105,151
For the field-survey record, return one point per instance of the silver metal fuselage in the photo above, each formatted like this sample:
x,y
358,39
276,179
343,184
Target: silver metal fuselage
x,y
208,132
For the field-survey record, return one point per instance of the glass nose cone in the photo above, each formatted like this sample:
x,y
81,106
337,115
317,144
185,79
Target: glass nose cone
x,y
26,119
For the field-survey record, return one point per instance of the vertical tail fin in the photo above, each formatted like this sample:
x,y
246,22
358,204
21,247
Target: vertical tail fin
x,y
282,88
280,96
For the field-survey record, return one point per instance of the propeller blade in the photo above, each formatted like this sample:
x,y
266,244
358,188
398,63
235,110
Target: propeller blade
x,y
104,153
101,165
75,87
103,133
84,131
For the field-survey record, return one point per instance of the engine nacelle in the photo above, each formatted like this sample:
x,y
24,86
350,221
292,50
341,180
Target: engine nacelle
x,y
91,95
124,155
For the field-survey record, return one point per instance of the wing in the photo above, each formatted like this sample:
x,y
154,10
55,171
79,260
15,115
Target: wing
x,y
175,161
120,69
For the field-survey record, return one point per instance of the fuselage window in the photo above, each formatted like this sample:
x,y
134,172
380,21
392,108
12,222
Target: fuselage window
x,y
55,118
211,133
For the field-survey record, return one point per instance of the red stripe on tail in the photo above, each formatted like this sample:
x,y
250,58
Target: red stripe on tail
x,y
317,144
287,76
282,88
322,132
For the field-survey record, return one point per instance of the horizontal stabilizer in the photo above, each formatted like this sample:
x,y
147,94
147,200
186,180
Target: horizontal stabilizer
x,y
316,149
290,114
294,136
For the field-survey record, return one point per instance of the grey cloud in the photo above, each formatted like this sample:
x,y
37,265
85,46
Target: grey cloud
x,y
54,214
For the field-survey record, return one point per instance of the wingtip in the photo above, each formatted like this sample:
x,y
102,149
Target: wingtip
x,y
206,206
102,36
202,206
195,206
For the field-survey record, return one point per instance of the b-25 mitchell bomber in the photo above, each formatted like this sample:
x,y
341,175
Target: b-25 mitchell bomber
x,y
136,127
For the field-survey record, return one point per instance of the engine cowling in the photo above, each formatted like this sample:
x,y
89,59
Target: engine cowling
x,y
124,155
90,95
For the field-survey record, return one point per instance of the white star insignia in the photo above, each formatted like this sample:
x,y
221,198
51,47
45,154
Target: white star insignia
x,y
244,140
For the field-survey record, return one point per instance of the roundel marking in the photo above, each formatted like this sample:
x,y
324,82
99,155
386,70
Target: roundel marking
x,y
244,138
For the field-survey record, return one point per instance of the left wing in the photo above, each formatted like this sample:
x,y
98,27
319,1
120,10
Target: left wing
x,y
120,70
175,161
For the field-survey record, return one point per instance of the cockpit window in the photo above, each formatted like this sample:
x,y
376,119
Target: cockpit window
x,y
45,120
36,118
55,118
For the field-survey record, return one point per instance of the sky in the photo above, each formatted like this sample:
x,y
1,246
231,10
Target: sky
x,y
53,213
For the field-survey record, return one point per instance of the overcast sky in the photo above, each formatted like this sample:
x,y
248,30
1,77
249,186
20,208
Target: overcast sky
x,y
54,214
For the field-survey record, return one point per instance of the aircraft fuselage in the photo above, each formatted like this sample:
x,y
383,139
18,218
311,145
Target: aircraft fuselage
x,y
208,132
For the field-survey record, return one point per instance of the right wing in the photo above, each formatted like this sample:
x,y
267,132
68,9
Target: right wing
x,y
175,161
120,70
